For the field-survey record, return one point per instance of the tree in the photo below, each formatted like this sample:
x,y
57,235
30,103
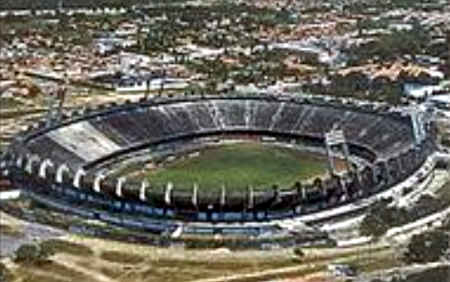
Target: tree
x,y
46,250
299,252
32,253
5,274
363,24
427,247
27,253
318,183
446,54
372,225
379,219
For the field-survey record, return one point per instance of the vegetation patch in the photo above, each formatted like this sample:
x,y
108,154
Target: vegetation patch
x,y
11,231
121,257
5,273
427,247
60,246
374,263
9,102
381,217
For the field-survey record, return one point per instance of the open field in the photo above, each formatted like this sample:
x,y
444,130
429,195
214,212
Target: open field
x,y
238,166
95,260
116,262
108,261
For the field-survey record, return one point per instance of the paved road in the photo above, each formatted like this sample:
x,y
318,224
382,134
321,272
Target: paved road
x,y
30,232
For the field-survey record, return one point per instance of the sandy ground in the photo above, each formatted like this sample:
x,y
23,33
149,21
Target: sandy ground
x,y
316,277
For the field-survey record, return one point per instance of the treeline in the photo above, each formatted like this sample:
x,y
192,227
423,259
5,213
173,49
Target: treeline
x,y
364,7
381,217
53,4
393,45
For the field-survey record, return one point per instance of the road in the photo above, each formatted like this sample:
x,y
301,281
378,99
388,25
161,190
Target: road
x,y
29,232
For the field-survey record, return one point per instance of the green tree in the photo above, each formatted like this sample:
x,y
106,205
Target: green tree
x,y
32,253
379,219
5,273
46,251
27,253
299,252
427,247
372,225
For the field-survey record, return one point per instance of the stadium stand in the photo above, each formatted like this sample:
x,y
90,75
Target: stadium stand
x,y
94,137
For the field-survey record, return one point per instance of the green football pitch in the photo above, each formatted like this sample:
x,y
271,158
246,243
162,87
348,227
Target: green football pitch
x,y
238,166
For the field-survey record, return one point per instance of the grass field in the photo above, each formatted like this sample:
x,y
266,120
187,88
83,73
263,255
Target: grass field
x,y
240,165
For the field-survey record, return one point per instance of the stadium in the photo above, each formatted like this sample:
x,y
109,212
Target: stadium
x,y
130,164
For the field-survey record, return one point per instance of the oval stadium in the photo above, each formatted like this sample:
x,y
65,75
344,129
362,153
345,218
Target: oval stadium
x,y
161,164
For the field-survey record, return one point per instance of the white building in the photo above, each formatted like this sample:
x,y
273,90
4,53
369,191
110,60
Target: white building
x,y
441,103
420,91
155,84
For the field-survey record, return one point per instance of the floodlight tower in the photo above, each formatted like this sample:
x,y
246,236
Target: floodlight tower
x,y
56,99
162,82
61,95
419,119
50,101
336,139
147,88
60,6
